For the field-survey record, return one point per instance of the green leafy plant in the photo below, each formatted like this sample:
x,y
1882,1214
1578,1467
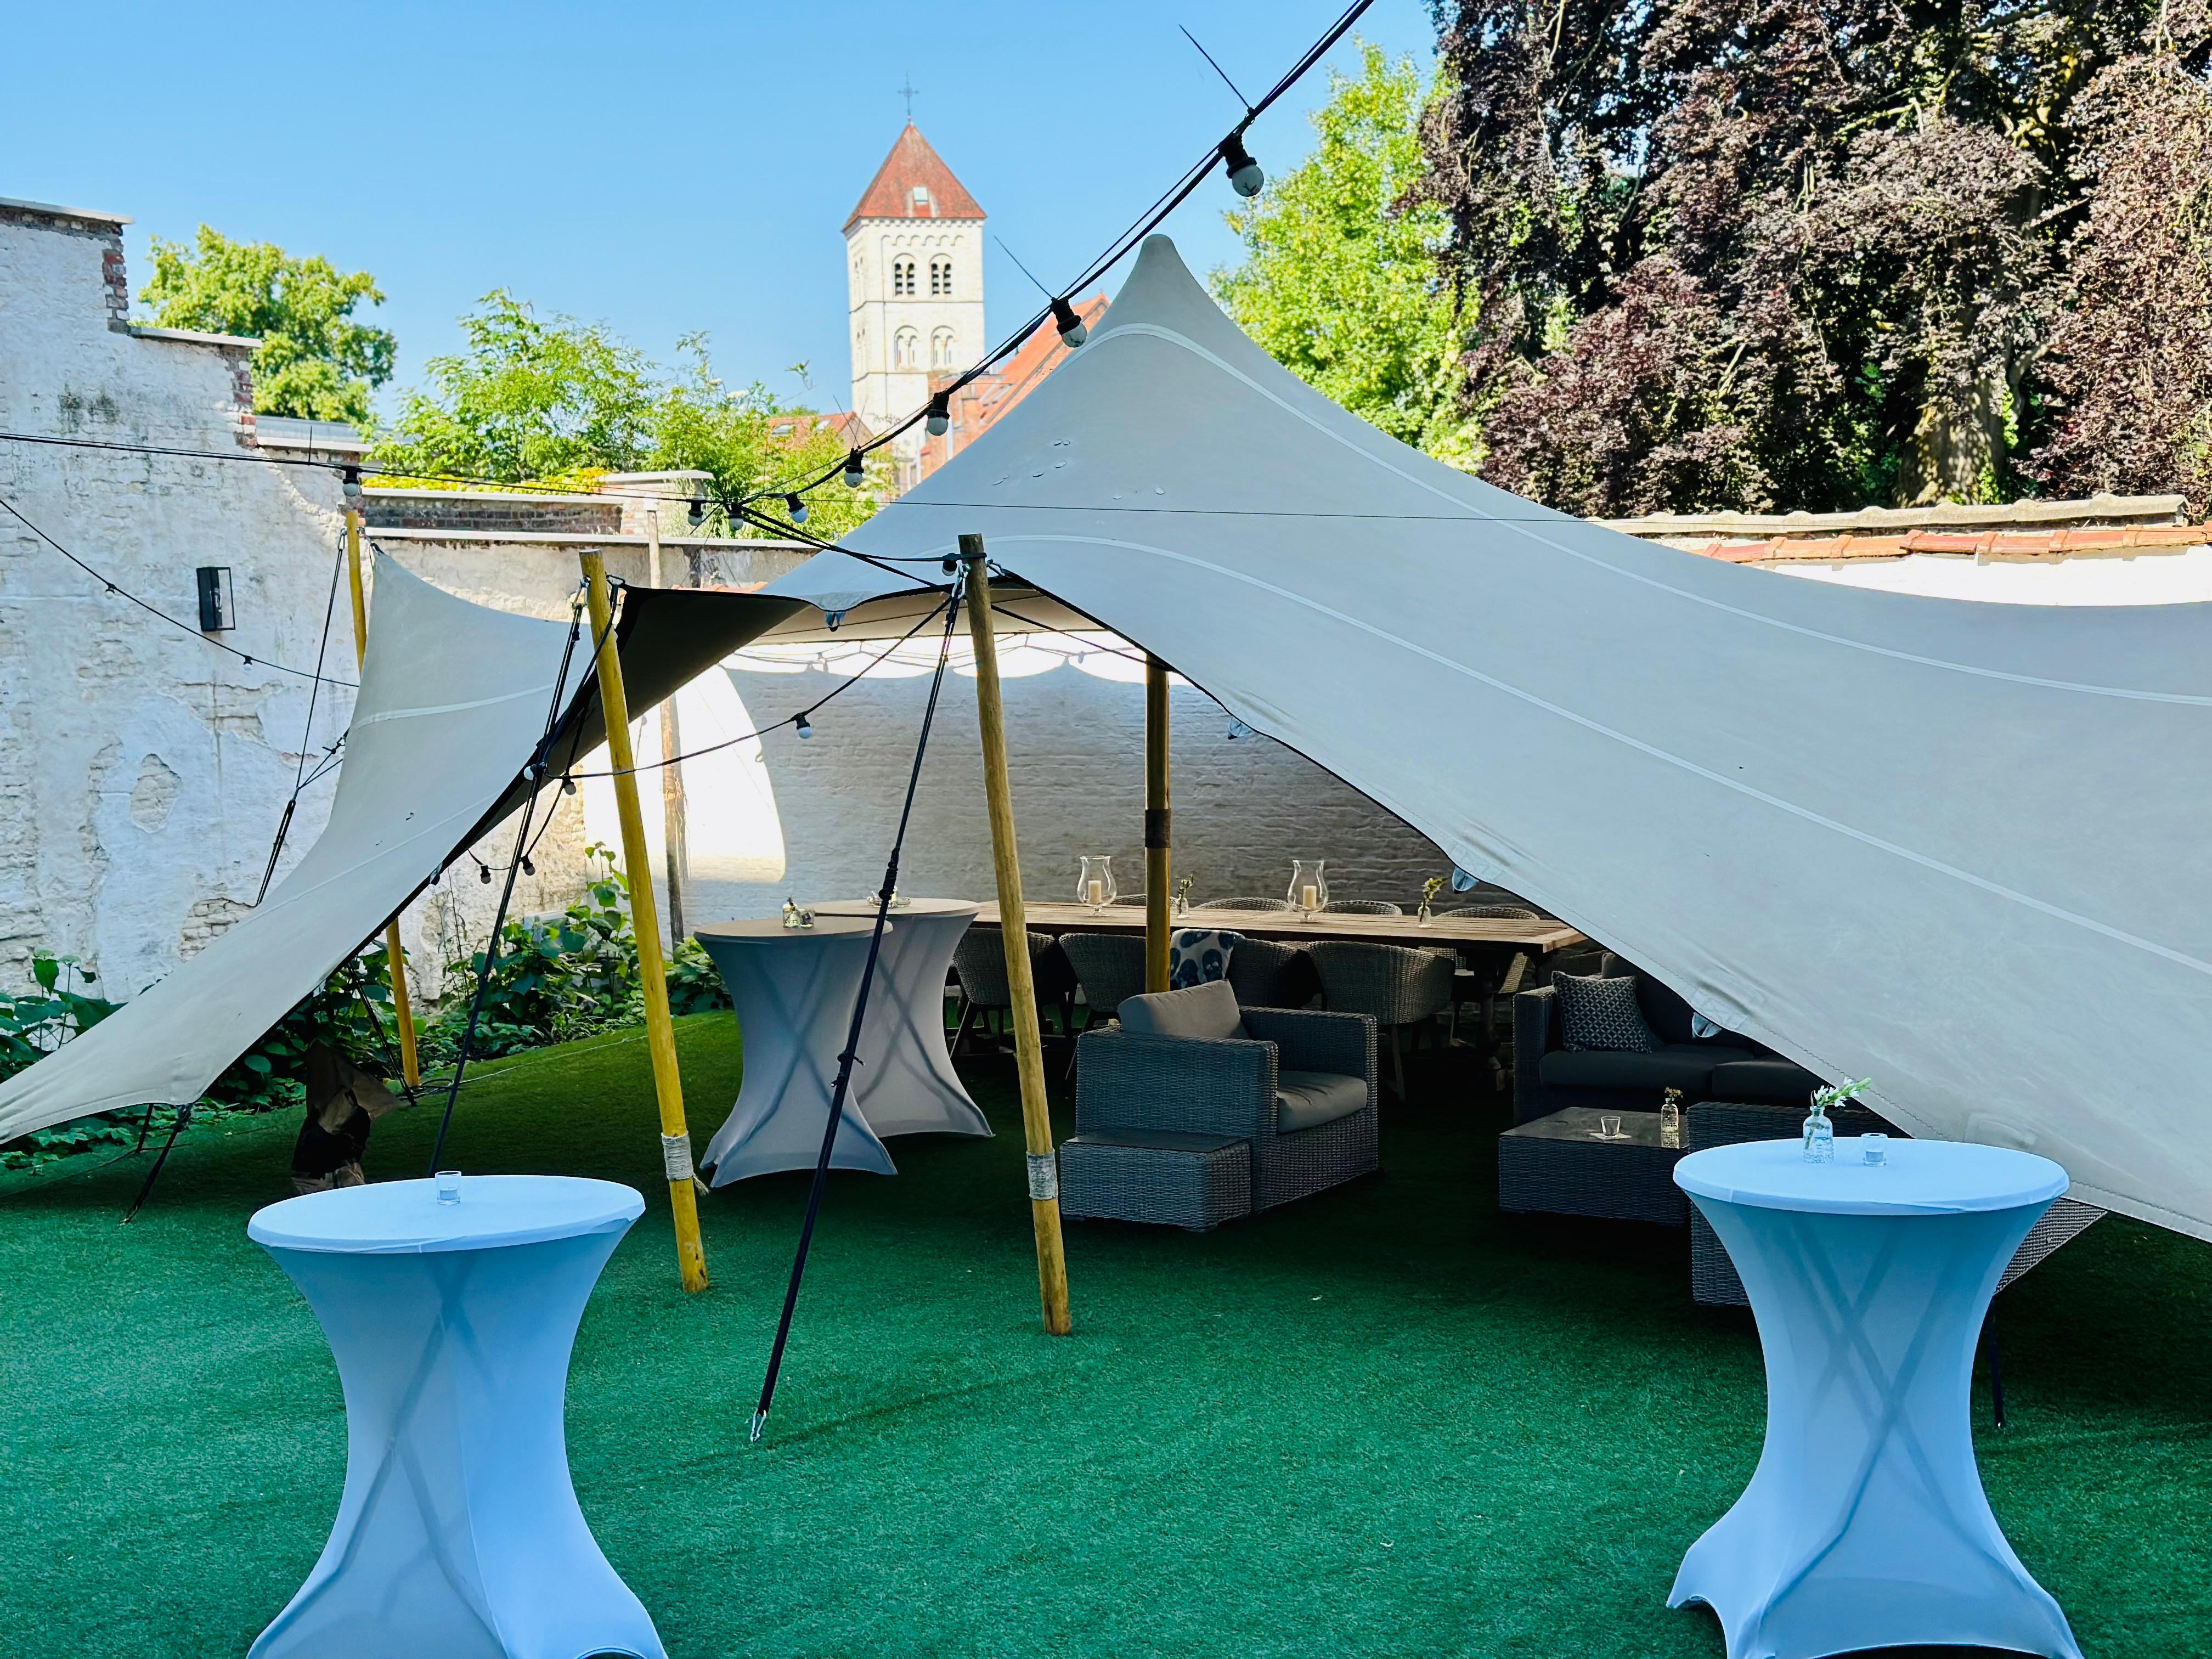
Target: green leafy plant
x,y
1827,1099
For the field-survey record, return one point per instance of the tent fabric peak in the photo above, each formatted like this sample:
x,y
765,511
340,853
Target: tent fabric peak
x,y
1955,846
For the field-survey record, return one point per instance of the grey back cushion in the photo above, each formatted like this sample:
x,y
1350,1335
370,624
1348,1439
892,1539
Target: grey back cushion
x,y
1602,1013
1200,1011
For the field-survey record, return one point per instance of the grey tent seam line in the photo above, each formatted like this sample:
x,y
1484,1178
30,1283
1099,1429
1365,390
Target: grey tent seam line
x,y
1518,527
2180,958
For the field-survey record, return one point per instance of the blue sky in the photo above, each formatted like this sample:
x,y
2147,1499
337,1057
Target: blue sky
x,y
663,168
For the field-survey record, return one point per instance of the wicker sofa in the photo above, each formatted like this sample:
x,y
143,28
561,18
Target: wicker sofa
x,y
1548,1077
1298,1086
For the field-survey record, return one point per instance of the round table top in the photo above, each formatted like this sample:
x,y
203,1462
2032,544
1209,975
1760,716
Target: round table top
x,y
769,930
919,907
405,1217
1921,1177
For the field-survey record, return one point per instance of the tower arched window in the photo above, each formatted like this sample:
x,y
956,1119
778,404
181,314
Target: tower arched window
x,y
940,278
906,350
903,283
940,348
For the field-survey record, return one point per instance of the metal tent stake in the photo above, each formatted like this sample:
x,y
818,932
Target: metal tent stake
x,y
1014,928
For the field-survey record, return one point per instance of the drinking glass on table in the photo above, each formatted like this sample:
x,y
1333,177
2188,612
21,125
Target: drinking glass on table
x,y
1608,1124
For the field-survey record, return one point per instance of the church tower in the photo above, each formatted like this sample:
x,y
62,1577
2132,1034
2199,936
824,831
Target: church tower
x,y
914,250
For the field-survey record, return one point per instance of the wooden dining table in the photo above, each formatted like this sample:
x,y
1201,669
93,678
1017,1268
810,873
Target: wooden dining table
x,y
1540,937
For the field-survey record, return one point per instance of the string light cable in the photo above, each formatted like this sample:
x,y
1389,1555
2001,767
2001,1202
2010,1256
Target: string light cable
x,y
147,606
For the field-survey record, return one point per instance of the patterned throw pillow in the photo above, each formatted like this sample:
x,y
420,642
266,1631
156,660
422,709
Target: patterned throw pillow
x,y
1199,954
1597,1012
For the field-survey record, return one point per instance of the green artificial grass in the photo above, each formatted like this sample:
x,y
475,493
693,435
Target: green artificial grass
x,y
1383,1421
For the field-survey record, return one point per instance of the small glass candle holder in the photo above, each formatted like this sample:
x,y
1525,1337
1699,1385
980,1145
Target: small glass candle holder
x,y
1309,886
1609,1127
449,1186
1096,886
1873,1148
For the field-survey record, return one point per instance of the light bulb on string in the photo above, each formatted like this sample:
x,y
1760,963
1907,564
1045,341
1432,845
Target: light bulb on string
x,y
856,472
801,726
1073,333
483,873
698,515
567,786
1245,177
528,868
796,508
941,415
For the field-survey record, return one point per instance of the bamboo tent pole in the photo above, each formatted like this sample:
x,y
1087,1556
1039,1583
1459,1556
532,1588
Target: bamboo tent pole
x,y
1013,930
661,1034
403,1008
1158,862
673,803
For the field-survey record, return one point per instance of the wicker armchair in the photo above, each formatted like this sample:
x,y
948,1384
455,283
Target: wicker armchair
x,y
1243,904
979,962
1128,1084
1267,973
1362,907
1492,976
1394,985
1109,967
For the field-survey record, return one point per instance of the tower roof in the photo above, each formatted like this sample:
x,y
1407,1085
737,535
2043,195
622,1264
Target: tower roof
x,y
914,183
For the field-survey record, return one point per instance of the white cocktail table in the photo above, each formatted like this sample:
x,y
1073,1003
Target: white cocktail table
x,y
1865,1525
793,989
905,1083
459,1534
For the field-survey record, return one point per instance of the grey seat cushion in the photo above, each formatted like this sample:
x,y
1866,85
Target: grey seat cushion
x,y
1158,1140
1209,1009
1306,1100
1685,1066
1770,1078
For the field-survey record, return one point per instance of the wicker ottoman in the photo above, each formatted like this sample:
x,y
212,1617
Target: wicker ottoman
x,y
1158,1175
1558,1165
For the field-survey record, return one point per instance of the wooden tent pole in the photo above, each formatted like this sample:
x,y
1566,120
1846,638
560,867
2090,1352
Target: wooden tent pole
x,y
403,1006
645,919
1158,864
1013,929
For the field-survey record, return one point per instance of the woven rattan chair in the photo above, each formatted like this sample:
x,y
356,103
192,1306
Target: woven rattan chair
x,y
1267,973
1245,904
1108,966
1128,1084
1394,985
1362,907
979,962
1493,978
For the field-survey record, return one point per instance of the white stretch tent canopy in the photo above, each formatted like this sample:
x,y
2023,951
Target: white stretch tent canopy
x,y
454,703
1960,847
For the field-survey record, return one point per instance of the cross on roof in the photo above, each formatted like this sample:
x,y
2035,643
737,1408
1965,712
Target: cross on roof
x,y
907,90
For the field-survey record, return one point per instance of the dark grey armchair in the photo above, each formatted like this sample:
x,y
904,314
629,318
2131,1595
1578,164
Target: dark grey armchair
x,y
1299,1085
1548,1077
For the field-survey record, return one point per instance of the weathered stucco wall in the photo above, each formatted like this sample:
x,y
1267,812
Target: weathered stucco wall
x,y
142,770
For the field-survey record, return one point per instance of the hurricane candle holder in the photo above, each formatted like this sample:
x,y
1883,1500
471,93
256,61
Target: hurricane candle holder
x,y
1309,886
1097,887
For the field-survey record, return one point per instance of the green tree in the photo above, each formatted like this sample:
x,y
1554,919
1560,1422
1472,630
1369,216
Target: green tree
x,y
315,362
526,400
1342,281
555,400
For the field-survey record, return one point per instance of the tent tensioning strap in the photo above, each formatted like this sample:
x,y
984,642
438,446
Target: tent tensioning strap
x,y
850,1056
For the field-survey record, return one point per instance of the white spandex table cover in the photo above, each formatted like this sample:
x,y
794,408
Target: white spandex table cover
x,y
793,989
452,1324
905,1083
1865,1525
